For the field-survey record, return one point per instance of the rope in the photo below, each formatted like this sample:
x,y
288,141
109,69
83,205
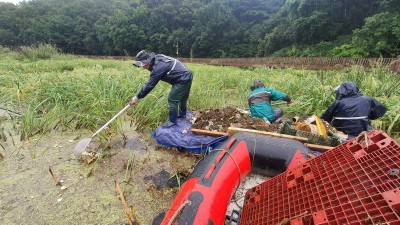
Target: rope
x,y
252,162
178,211
237,166
240,174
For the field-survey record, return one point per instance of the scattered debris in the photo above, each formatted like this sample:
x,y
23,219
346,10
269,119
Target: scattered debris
x,y
287,220
89,157
129,165
58,182
125,206
363,137
134,216
11,111
3,136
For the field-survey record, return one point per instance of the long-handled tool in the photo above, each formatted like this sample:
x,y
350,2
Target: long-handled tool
x,y
244,111
84,143
279,103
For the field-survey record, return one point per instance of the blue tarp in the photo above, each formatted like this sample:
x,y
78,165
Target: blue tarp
x,y
181,136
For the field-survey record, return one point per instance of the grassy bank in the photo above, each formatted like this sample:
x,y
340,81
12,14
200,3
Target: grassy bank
x,y
69,92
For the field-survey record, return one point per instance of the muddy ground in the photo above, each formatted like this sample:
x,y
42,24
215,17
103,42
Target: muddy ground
x,y
221,119
148,174
87,194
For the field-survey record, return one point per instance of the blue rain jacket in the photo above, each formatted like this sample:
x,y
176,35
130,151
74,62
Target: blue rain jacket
x,y
166,69
352,111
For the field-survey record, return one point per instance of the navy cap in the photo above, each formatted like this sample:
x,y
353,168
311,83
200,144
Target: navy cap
x,y
143,58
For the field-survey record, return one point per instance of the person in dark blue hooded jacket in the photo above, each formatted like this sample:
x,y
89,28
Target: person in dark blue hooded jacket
x,y
352,111
169,70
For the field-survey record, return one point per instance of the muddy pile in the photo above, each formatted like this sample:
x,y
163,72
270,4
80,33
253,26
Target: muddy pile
x,y
221,119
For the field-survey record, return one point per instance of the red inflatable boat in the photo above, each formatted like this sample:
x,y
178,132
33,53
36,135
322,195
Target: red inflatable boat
x,y
204,197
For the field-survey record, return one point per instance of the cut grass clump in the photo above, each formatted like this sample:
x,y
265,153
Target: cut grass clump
x,y
34,53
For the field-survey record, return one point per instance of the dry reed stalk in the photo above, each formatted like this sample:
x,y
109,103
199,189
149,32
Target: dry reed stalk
x,y
124,205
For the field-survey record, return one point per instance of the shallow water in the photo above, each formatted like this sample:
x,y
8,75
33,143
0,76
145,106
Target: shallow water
x,y
29,195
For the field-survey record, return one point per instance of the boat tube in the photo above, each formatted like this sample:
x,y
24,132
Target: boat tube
x,y
204,197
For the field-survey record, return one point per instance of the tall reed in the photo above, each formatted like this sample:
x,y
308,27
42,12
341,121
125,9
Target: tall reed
x,y
74,92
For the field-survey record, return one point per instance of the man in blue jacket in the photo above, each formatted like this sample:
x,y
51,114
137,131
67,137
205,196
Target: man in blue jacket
x,y
352,111
260,102
169,70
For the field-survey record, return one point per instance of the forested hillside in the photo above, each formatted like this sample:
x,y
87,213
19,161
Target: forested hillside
x,y
207,28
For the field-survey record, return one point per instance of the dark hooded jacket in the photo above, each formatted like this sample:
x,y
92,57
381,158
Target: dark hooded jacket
x,y
352,111
167,69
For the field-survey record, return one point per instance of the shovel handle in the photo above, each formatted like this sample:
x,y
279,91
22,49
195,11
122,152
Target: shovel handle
x,y
279,103
112,119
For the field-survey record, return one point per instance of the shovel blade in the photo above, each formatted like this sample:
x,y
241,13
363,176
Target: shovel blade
x,y
81,147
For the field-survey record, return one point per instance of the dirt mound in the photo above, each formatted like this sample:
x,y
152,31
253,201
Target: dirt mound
x,y
221,119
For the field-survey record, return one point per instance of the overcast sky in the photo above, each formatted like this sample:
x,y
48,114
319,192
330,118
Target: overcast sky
x,y
12,1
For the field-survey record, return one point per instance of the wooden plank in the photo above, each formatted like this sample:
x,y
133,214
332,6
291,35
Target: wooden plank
x,y
234,130
319,148
208,132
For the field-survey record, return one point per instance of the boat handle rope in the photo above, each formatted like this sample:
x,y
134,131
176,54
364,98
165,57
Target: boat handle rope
x,y
240,173
178,211
229,154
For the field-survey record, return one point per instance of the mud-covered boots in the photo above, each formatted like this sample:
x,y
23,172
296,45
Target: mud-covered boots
x,y
182,112
172,120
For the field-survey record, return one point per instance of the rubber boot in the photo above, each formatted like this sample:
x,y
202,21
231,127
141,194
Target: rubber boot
x,y
172,120
182,113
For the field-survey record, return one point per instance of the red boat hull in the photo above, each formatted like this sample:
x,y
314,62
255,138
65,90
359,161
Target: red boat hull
x,y
204,197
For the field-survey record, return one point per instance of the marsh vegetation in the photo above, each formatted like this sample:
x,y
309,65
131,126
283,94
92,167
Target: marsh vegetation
x,y
48,102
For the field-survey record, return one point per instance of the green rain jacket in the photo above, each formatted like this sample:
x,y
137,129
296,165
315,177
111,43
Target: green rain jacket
x,y
260,102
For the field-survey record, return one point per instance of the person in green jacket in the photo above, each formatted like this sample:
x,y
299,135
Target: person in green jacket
x,y
260,102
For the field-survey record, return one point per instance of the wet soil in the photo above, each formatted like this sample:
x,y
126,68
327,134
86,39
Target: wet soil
x,y
148,175
221,119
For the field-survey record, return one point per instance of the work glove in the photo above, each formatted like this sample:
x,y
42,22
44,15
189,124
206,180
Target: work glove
x,y
288,99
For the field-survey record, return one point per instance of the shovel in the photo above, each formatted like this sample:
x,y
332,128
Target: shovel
x,y
84,143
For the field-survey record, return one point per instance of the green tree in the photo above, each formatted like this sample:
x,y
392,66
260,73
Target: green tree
x,y
380,36
315,28
119,35
206,28
8,27
214,27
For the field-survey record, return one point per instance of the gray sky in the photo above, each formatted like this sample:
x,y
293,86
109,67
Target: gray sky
x,y
12,1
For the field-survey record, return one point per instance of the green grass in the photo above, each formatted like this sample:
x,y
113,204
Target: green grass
x,y
72,92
